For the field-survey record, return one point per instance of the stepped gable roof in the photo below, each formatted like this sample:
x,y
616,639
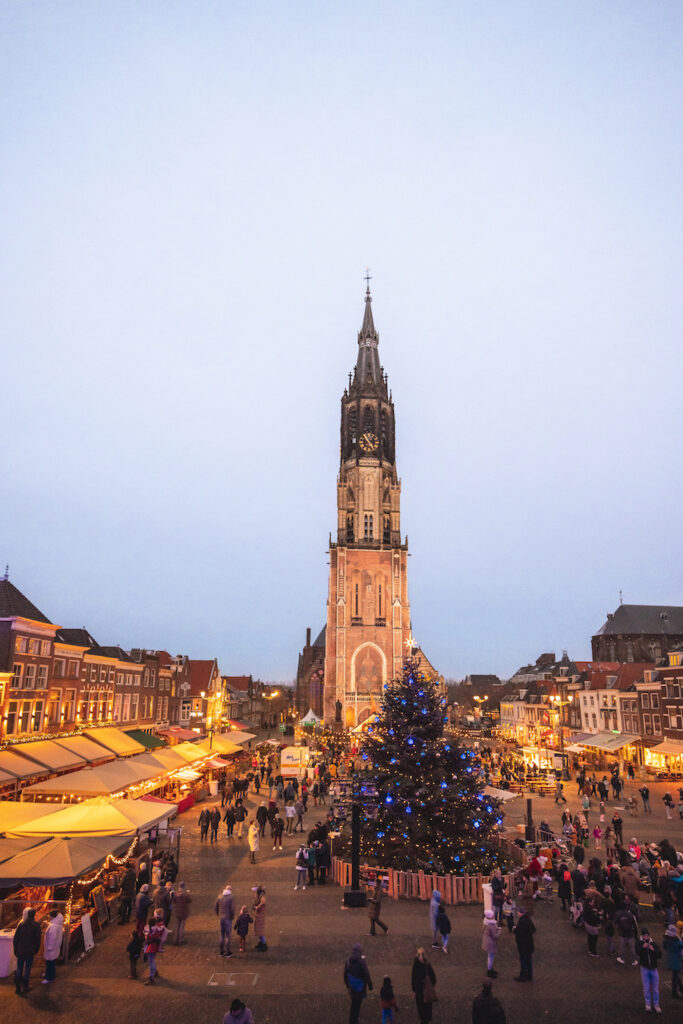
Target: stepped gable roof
x,y
13,604
666,620
76,637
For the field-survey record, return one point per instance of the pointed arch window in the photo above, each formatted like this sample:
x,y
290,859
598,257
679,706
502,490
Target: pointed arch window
x,y
387,530
368,526
349,529
353,425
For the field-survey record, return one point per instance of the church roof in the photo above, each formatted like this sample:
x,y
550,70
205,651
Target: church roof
x,y
654,619
320,639
367,364
13,604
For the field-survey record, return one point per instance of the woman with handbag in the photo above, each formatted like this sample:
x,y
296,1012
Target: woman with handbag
x,y
423,980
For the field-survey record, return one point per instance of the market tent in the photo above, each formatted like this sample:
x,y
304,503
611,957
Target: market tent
x,y
189,775
54,756
310,718
234,737
93,753
212,749
103,780
671,747
189,752
59,860
11,847
500,794
217,762
147,740
6,778
610,742
178,734
116,741
167,758
99,817
14,813
21,767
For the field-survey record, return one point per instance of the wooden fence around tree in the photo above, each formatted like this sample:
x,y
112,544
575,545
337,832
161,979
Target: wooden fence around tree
x,y
420,885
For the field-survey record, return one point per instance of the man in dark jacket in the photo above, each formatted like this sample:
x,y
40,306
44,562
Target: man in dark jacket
x,y
26,945
225,909
143,876
357,980
578,883
524,935
262,818
127,894
486,1009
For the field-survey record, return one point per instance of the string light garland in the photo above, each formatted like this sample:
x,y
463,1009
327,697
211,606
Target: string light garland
x,y
89,879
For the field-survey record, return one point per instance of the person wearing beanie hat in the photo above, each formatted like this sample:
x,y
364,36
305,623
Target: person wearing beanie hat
x,y
154,939
649,953
238,1013
486,1009
357,980
673,947
489,941
142,905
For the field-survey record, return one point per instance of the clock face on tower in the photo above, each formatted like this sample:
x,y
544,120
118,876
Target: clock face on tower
x,y
369,442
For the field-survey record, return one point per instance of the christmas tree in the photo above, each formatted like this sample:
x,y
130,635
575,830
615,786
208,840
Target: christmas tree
x,y
431,812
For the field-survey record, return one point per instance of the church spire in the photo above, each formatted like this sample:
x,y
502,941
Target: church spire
x,y
368,369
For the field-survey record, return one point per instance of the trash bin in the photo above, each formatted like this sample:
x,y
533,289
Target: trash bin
x,y
8,963
213,787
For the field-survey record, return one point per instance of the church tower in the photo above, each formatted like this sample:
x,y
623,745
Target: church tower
x,y
368,615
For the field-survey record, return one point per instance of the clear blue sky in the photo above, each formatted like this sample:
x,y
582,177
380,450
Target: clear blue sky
x,y
191,193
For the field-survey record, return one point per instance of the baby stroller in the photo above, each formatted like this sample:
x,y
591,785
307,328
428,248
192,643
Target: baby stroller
x,y
576,913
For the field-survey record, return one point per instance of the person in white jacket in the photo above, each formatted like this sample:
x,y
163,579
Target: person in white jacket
x,y
52,945
253,839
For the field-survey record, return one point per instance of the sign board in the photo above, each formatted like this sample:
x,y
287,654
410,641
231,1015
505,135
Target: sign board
x,y
282,727
98,899
86,926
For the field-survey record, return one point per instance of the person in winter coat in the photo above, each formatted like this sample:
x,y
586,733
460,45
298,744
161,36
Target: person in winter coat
x,y
240,817
214,821
142,905
498,889
260,918
433,910
591,925
387,1001
242,923
262,817
301,867
229,819
225,909
52,945
134,949
489,941
357,980
163,900
323,861
181,911
127,894
154,939
486,1009
648,954
443,927
238,1013
253,840
143,876
278,828
673,947
627,930
524,936
375,907
204,821
422,982
564,885
26,943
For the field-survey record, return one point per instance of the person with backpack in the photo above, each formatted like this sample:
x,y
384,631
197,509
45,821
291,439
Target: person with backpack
x,y
627,929
387,1001
357,980
301,867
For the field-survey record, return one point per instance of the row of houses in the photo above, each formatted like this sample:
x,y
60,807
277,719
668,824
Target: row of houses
x,y
56,679
630,711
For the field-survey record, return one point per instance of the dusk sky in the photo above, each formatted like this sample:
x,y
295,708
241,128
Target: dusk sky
x,y
191,192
